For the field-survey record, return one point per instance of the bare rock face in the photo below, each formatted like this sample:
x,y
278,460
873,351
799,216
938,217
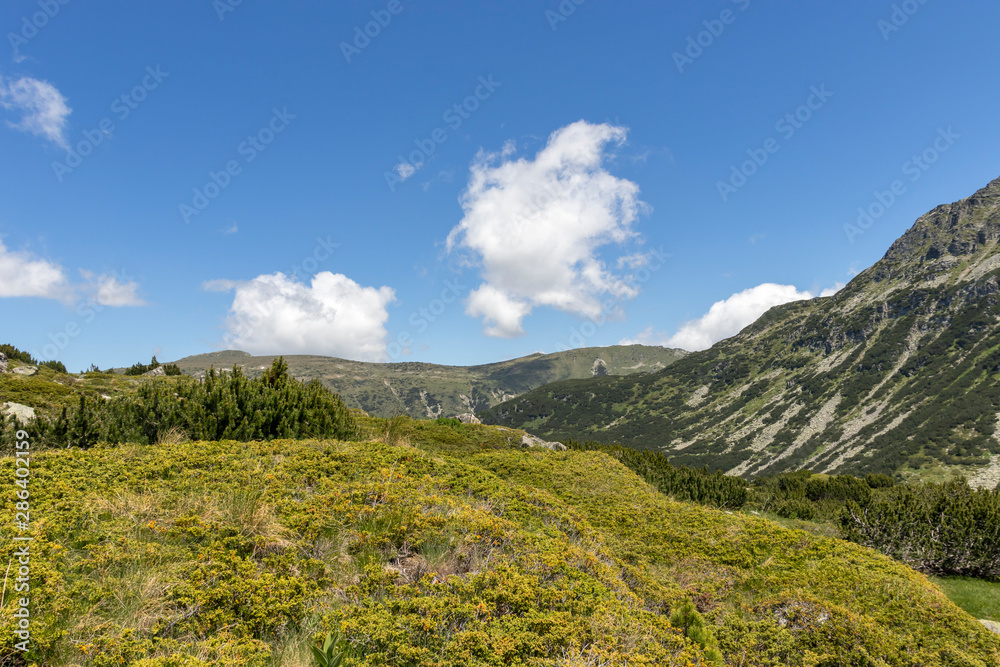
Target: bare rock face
x,y
468,418
528,440
27,371
992,626
22,412
3,362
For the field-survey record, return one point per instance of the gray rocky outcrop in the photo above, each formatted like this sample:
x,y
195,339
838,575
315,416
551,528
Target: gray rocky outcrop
x,y
156,372
468,418
22,412
992,626
528,440
3,362
27,371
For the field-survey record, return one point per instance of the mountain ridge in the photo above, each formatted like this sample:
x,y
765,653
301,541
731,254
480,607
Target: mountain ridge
x,y
899,372
424,390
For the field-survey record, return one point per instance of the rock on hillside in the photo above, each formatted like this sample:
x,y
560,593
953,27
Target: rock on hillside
x,y
23,413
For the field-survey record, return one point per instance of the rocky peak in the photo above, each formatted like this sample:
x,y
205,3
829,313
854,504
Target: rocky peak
x,y
965,232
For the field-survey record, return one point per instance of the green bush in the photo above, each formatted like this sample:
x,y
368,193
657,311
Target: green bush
x,y
57,366
229,406
945,529
686,617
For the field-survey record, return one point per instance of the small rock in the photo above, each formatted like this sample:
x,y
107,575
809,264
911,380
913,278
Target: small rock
x,y
528,440
26,370
468,418
3,362
156,372
992,626
22,412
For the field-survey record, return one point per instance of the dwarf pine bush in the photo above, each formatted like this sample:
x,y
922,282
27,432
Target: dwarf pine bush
x,y
228,406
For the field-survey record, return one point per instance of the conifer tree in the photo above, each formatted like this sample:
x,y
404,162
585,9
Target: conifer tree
x,y
685,616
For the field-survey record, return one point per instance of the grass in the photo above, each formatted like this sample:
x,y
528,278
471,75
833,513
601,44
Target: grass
x,y
455,548
979,598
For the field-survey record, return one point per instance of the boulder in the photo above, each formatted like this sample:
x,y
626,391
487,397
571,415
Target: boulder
x,y
22,412
528,440
27,371
992,626
3,362
468,418
156,372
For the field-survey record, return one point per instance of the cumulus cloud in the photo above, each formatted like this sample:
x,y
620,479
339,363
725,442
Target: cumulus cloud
x,y
112,289
534,228
22,274
728,317
43,109
332,315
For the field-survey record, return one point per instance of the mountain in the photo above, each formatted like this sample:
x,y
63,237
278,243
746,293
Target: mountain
x,y
429,390
897,373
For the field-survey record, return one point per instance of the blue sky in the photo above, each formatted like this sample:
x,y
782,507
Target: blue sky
x,y
467,182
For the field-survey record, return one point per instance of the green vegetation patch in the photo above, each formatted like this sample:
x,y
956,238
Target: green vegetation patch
x,y
446,546
979,598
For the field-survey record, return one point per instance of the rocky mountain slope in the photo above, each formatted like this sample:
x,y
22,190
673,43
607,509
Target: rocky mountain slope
x,y
429,390
897,373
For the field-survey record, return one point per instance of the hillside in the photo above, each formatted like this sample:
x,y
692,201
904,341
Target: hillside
x,y
429,390
897,373
445,547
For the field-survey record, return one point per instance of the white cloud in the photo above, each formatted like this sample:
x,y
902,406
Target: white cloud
x,y
333,315
43,109
830,291
534,228
405,169
22,274
107,290
502,315
727,318
232,228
